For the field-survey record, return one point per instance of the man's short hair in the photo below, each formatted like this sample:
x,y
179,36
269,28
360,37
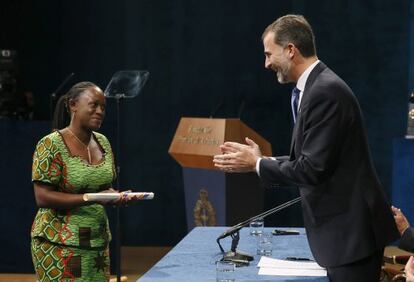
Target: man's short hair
x,y
293,29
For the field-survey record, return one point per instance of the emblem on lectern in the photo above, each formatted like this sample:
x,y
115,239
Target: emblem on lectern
x,y
411,114
204,213
410,122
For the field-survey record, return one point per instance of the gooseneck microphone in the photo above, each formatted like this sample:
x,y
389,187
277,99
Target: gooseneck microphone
x,y
241,108
233,255
217,108
239,226
53,95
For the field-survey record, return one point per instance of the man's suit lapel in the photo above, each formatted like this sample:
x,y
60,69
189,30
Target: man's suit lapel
x,y
292,143
309,82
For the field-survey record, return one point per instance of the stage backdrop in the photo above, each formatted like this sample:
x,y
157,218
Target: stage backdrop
x,y
205,58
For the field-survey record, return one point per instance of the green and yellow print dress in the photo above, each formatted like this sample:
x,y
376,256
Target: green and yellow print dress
x,y
71,244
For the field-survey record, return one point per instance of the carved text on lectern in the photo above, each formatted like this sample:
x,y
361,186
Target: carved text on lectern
x,y
197,140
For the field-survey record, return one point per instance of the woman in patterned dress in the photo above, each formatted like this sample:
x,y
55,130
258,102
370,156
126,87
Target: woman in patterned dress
x,y
70,236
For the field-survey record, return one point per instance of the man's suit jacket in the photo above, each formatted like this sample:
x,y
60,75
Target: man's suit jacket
x,y
345,210
407,240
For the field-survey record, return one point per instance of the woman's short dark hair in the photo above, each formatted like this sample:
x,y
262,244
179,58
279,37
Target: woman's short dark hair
x,y
293,29
61,117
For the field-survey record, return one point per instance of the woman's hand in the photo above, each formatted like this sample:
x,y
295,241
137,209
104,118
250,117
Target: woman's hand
x,y
123,199
400,220
409,270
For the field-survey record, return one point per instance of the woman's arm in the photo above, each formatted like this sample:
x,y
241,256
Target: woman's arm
x,y
46,197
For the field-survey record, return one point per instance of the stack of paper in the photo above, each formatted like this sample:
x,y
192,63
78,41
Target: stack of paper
x,y
271,266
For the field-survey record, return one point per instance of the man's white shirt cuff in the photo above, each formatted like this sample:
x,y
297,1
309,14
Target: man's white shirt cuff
x,y
258,164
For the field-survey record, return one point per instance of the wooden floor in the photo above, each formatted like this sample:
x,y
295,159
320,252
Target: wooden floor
x,y
135,262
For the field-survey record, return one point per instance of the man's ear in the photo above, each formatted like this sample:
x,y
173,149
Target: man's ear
x,y
291,50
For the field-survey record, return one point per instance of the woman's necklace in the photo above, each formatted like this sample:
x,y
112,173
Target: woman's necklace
x,y
86,146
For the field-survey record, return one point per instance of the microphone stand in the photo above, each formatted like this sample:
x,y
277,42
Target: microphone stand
x,y
124,84
237,257
118,98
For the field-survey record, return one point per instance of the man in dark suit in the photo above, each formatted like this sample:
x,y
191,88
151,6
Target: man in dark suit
x,y
347,218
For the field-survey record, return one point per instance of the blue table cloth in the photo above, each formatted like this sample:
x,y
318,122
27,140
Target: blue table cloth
x,y
194,257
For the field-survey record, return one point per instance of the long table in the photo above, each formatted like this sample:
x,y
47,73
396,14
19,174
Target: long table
x,y
194,257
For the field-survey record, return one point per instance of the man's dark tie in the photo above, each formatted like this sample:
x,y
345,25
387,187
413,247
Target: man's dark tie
x,y
295,101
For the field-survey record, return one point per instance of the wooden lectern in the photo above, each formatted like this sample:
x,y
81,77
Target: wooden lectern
x,y
212,197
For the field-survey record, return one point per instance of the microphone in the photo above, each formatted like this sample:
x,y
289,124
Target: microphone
x,y
233,229
215,110
239,258
241,108
242,99
53,95
239,226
